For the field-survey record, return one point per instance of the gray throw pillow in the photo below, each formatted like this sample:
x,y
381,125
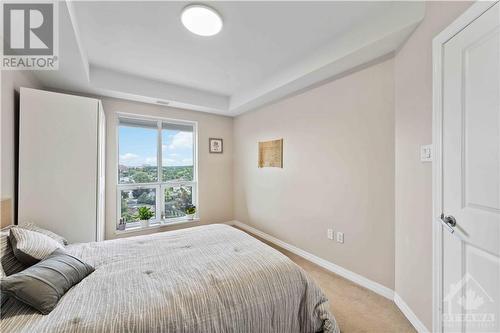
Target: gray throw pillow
x,y
8,260
54,236
2,297
30,246
42,285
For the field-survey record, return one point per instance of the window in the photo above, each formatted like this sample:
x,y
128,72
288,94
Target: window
x,y
156,169
177,197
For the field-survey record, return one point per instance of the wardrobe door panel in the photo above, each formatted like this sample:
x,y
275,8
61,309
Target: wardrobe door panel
x,y
58,164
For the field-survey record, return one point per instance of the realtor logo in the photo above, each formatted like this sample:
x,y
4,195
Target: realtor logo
x,y
468,302
29,36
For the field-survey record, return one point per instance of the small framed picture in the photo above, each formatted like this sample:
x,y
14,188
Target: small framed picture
x,y
215,145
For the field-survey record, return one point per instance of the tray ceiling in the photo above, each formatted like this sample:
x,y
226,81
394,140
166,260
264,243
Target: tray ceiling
x,y
265,51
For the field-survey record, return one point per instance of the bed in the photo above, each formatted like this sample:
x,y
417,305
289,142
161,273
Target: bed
x,y
211,278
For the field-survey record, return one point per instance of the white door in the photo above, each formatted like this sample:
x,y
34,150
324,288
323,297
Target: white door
x,y
471,177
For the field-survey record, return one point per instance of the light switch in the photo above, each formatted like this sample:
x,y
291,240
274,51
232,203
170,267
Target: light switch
x,y
426,153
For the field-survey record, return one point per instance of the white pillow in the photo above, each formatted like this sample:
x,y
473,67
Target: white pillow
x,y
53,235
30,246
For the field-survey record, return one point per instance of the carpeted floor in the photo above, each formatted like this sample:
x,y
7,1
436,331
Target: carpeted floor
x,y
356,309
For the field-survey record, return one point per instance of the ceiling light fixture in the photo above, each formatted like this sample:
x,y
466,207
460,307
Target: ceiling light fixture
x,y
201,20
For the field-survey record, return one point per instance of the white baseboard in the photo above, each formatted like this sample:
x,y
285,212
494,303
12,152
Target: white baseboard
x,y
409,314
354,277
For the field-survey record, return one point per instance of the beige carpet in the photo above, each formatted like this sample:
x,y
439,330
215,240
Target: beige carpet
x,y
356,309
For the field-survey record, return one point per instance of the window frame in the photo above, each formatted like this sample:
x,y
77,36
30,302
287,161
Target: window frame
x,y
160,184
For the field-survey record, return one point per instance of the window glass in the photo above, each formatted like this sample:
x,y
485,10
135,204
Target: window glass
x,y
176,200
143,179
137,155
177,154
132,199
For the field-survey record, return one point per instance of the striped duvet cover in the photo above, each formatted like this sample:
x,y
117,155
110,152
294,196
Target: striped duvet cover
x,y
211,278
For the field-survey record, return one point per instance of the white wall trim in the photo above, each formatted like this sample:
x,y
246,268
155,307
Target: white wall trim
x,y
409,314
438,42
334,268
354,277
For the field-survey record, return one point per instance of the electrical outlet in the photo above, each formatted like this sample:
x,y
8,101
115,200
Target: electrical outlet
x,y
329,233
340,237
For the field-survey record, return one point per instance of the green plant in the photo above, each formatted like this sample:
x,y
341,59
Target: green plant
x,y
144,213
190,209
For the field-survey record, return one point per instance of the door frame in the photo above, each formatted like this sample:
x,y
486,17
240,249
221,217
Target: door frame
x,y
471,14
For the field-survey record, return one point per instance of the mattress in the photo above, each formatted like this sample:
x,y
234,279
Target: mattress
x,y
211,278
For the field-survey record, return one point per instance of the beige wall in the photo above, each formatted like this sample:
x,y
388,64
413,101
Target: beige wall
x,y
11,81
215,170
413,105
343,143
338,171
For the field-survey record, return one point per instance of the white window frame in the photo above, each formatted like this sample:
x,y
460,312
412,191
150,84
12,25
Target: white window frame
x,y
159,185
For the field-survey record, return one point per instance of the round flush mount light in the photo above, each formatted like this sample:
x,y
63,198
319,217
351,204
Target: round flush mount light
x,y
201,20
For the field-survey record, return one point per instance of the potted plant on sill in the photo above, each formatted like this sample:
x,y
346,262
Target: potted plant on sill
x,y
122,225
144,214
190,211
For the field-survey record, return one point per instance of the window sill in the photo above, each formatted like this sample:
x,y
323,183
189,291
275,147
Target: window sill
x,y
138,228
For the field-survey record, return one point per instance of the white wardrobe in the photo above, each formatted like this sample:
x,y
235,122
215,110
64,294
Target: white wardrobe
x,y
61,164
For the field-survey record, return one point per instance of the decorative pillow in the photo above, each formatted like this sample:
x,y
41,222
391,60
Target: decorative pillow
x,y
54,236
3,297
42,285
8,260
30,246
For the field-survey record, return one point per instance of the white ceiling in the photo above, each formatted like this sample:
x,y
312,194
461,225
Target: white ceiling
x,y
258,38
266,50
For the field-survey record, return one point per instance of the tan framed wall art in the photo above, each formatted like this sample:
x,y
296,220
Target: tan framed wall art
x,y
271,154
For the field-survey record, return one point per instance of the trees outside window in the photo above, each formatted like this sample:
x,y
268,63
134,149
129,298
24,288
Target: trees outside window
x,y
156,168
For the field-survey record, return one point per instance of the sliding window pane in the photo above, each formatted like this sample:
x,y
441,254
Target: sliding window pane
x,y
177,153
132,199
176,200
138,155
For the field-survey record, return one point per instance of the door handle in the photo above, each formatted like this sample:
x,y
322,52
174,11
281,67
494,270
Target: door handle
x,y
449,222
